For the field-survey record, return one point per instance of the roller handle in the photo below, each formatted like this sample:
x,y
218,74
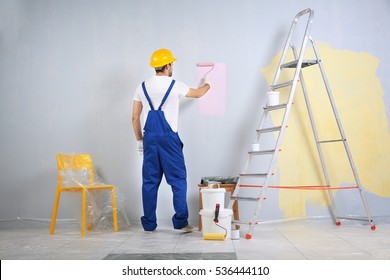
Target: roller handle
x,y
205,64
216,213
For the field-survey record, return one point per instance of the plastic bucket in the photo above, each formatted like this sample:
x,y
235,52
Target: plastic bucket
x,y
212,197
224,220
235,234
272,98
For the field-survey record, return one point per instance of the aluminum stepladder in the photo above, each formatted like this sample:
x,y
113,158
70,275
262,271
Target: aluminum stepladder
x,y
298,63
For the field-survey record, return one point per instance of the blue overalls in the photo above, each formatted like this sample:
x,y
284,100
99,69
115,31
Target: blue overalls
x,y
163,154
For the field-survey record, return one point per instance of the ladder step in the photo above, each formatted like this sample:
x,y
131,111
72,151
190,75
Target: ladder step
x,y
293,64
238,222
244,198
253,175
330,141
285,84
269,129
264,152
356,219
276,107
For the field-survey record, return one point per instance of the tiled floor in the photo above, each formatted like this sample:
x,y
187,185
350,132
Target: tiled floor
x,y
308,239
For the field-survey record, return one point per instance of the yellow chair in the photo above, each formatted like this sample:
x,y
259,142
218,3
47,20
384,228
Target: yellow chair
x,y
75,163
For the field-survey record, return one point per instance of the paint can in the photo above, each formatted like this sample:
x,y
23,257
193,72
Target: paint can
x,y
224,221
235,234
273,98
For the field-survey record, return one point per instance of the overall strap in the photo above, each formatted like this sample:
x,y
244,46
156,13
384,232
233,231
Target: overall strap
x,y
147,96
166,94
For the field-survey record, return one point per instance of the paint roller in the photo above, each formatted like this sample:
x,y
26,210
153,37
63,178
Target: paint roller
x,y
206,64
216,236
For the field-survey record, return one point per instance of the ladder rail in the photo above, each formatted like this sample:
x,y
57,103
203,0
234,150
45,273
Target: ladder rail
x,y
283,129
261,125
316,138
346,146
288,106
290,36
249,158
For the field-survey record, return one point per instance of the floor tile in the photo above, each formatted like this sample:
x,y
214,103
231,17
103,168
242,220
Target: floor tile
x,y
305,239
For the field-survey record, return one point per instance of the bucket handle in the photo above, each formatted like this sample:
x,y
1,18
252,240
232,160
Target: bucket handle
x,y
216,213
216,218
213,184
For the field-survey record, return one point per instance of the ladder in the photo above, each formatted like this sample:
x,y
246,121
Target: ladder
x,y
265,177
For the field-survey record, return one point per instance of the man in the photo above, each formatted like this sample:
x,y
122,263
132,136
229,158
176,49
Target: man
x,y
158,98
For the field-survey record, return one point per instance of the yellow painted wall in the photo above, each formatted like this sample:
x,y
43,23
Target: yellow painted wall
x,y
359,99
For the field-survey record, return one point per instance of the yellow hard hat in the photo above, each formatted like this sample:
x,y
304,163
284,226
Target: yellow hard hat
x,y
161,57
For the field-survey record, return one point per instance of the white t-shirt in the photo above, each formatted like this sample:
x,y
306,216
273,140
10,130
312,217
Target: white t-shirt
x,y
156,88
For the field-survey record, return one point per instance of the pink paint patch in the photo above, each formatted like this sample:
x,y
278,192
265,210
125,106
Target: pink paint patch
x,y
213,103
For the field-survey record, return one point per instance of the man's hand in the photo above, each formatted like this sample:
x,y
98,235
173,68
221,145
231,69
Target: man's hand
x,y
140,147
204,81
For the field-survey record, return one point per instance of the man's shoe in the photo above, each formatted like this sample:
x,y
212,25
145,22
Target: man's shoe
x,y
188,228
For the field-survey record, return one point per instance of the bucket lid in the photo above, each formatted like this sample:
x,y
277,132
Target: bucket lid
x,y
211,190
222,212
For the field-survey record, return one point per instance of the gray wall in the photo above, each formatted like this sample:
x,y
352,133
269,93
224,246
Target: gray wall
x,y
68,71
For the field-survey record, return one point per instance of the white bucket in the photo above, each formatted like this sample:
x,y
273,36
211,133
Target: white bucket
x,y
212,197
235,234
272,98
224,220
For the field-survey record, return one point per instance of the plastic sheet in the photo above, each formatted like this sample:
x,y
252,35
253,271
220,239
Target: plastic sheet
x,y
99,200
220,179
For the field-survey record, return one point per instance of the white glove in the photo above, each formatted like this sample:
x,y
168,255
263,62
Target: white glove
x,y
140,147
204,81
